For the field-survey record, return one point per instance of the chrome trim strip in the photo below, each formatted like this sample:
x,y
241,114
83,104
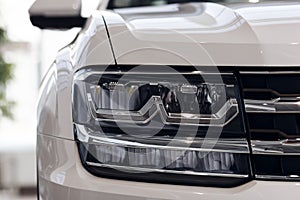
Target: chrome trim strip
x,y
288,178
238,146
283,147
279,105
148,170
269,72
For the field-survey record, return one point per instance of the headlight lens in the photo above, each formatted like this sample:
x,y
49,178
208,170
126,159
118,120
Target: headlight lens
x,y
181,125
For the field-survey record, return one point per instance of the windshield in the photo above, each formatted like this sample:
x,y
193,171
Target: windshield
x,y
136,3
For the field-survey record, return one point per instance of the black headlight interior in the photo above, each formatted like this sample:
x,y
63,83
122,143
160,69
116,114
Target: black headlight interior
x,y
161,124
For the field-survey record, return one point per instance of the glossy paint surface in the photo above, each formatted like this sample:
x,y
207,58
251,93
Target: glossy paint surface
x,y
207,34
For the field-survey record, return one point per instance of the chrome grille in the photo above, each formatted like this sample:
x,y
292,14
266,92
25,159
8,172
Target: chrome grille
x,y
272,104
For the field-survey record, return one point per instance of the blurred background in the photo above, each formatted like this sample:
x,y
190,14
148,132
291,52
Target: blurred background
x,y
25,55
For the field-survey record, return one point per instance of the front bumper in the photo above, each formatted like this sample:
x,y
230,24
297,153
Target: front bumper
x,y
62,176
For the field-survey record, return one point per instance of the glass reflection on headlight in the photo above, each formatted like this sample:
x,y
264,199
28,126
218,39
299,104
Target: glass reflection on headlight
x,y
158,123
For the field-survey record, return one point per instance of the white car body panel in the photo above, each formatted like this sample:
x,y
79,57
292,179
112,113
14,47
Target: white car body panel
x,y
56,8
200,34
207,34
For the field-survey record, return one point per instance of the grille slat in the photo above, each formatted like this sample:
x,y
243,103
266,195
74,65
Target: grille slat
x,y
272,103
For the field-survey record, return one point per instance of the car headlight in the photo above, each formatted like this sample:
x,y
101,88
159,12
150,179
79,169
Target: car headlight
x,y
161,124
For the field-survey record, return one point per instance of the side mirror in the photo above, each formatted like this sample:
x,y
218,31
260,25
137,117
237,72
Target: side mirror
x,y
56,14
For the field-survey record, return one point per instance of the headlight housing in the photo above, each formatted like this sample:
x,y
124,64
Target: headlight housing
x,y
161,124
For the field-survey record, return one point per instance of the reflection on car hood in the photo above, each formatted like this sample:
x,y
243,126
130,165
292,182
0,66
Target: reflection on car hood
x,y
207,34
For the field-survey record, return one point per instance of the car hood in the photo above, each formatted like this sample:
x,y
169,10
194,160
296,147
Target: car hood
x,y
265,34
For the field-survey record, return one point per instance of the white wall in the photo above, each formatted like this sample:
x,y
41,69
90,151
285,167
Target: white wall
x,y
23,54
31,51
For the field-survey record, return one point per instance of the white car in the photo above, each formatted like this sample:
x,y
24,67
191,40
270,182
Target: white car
x,y
172,99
